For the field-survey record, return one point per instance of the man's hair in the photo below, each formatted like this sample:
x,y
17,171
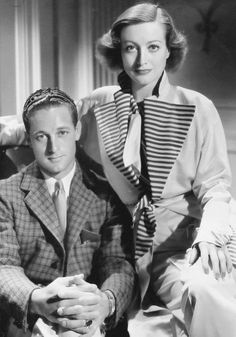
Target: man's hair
x,y
108,49
44,98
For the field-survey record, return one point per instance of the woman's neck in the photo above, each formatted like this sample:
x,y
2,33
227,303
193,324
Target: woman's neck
x,y
140,93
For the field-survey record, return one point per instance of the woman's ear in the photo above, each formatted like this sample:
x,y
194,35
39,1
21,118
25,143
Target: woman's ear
x,y
167,53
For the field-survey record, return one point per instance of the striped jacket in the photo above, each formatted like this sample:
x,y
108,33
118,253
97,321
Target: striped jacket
x,y
187,162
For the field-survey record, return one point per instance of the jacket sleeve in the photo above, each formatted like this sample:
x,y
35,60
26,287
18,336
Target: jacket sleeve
x,y
15,286
99,96
13,134
213,178
115,257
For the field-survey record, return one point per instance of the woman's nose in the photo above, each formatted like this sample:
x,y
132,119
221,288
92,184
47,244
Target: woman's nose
x,y
142,57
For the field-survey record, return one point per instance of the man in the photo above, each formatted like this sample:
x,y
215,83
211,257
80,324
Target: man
x,y
65,252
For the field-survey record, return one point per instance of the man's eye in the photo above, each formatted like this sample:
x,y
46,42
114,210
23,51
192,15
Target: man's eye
x,y
62,133
40,137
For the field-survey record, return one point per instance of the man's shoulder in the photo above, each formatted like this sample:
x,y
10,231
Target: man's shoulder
x,y
13,183
92,178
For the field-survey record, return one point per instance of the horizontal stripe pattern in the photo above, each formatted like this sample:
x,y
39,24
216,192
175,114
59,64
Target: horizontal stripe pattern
x,y
232,248
112,119
145,224
165,129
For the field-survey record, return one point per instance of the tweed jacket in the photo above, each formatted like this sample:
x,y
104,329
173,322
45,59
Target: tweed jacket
x,y
98,241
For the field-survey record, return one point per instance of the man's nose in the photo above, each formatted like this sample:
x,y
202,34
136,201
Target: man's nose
x,y
52,144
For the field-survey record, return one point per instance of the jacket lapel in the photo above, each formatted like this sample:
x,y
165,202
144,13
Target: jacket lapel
x,y
112,119
166,127
80,202
39,201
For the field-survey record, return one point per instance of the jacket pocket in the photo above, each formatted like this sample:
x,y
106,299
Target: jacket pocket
x,y
87,236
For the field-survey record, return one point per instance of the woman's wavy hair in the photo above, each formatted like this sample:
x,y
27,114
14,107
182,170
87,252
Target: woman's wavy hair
x,y
108,48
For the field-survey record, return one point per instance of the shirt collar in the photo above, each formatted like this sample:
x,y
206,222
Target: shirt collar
x,y
66,181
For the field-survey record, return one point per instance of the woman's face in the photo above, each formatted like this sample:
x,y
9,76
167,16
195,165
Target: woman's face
x,y
144,53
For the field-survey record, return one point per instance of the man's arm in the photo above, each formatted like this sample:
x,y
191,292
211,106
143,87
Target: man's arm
x,y
15,287
115,260
17,292
113,272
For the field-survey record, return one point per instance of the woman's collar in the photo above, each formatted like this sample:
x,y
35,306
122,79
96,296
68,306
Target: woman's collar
x,y
125,83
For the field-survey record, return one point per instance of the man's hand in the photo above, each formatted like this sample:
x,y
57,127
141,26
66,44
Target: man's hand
x,y
45,301
80,304
214,257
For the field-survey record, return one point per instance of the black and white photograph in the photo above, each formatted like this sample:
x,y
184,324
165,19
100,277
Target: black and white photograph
x,y
117,168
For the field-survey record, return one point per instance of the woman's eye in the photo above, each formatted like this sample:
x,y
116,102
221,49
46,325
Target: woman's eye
x,y
130,48
153,47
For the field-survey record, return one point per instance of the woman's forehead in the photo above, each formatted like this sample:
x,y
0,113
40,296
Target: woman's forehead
x,y
146,31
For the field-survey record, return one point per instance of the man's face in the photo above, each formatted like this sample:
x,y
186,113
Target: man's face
x,y
52,137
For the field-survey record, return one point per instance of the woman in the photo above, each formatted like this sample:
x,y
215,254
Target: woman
x,y
163,151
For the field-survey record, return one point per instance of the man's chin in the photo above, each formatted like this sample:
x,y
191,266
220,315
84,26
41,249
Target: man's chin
x,y
52,171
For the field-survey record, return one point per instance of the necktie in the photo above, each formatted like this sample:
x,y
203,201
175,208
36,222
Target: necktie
x,y
59,199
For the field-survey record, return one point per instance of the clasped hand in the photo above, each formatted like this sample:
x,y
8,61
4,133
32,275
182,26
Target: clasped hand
x,y
71,302
216,258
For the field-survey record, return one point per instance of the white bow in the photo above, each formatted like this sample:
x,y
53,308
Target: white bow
x,y
131,154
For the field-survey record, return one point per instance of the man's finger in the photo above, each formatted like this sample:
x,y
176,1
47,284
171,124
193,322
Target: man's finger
x,y
80,326
77,292
81,312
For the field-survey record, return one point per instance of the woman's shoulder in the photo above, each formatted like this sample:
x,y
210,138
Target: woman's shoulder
x,y
104,94
97,97
178,94
205,110
190,96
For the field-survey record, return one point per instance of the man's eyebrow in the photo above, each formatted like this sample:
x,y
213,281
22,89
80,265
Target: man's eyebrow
x,y
38,131
64,127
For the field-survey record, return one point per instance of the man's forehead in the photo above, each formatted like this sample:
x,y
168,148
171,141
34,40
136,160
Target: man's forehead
x,y
51,115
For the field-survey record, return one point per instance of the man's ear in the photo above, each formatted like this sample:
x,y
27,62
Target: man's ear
x,y
78,130
28,140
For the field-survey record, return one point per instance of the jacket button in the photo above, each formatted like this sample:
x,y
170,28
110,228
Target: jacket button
x,y
54,265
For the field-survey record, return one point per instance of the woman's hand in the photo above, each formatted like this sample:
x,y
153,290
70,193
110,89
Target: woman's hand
x,y
216,258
